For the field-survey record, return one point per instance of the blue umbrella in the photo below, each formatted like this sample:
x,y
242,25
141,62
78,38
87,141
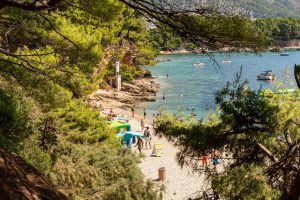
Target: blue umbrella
x,y
129,134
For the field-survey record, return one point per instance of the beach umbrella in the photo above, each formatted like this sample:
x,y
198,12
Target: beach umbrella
x,y
119,124
129,134
120,134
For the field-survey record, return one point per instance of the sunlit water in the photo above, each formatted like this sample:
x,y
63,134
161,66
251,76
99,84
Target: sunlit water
x,y
190,87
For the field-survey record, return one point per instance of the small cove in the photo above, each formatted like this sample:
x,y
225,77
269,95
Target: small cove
x,y
188,87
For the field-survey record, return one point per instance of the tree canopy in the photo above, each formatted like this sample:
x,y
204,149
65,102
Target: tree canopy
x,y
258,133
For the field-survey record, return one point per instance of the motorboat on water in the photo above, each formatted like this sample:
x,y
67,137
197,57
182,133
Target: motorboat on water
x,y
266,75
226,60
284,54
198,64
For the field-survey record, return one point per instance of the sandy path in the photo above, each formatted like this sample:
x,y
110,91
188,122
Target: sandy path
x,y
180,183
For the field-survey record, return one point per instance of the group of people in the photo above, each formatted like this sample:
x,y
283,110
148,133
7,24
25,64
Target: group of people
x,y
147,138
133,109
214,156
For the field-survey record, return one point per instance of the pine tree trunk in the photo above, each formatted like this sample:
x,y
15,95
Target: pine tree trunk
x,y
297,74
292,188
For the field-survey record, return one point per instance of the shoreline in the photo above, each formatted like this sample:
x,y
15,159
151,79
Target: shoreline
x,y
225,50
121,102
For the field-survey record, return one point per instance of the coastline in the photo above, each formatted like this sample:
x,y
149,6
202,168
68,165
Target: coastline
x,y
226,50
180,182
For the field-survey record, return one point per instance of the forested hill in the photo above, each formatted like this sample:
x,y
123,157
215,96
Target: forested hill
x,y
259,8
270,8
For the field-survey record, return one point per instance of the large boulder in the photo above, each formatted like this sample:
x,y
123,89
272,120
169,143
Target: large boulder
x,y
147,74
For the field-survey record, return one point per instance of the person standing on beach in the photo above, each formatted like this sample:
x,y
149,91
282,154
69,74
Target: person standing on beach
x,y
142,124
164,97
132,110
147,137
139,145
144,113
215,158
204,159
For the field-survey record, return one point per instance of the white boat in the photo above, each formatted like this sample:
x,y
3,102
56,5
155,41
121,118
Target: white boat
x,y
284,54
226,61
266,75
198,64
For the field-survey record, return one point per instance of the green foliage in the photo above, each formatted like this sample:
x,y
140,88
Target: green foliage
x,y
190,46
15,122
80,124
35,156
244,182
278,8
279,28
165,39
57,57
213,31
100,172
130,72
252,127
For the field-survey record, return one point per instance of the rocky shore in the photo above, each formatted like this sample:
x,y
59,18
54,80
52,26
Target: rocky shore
x,y
121,102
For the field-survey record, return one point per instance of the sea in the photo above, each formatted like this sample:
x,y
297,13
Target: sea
x,y
185,87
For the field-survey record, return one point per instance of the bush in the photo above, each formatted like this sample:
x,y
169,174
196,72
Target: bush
x,y
14,120
190,46
80,124
100,172
128,73
35,156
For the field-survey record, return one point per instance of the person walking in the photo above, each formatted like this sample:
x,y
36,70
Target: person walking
x,y
132,111
144,113
142,124
147,136
139,145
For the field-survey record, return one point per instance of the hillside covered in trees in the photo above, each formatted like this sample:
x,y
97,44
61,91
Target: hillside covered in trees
x,y
274,30
268,8
50,59
258,8
54,53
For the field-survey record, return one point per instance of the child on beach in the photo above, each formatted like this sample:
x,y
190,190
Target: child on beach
x,y
139,145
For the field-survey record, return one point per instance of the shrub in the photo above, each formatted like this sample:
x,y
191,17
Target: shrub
x,y
100,172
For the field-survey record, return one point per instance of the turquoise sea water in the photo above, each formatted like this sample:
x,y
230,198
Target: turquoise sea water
x,y
190,87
